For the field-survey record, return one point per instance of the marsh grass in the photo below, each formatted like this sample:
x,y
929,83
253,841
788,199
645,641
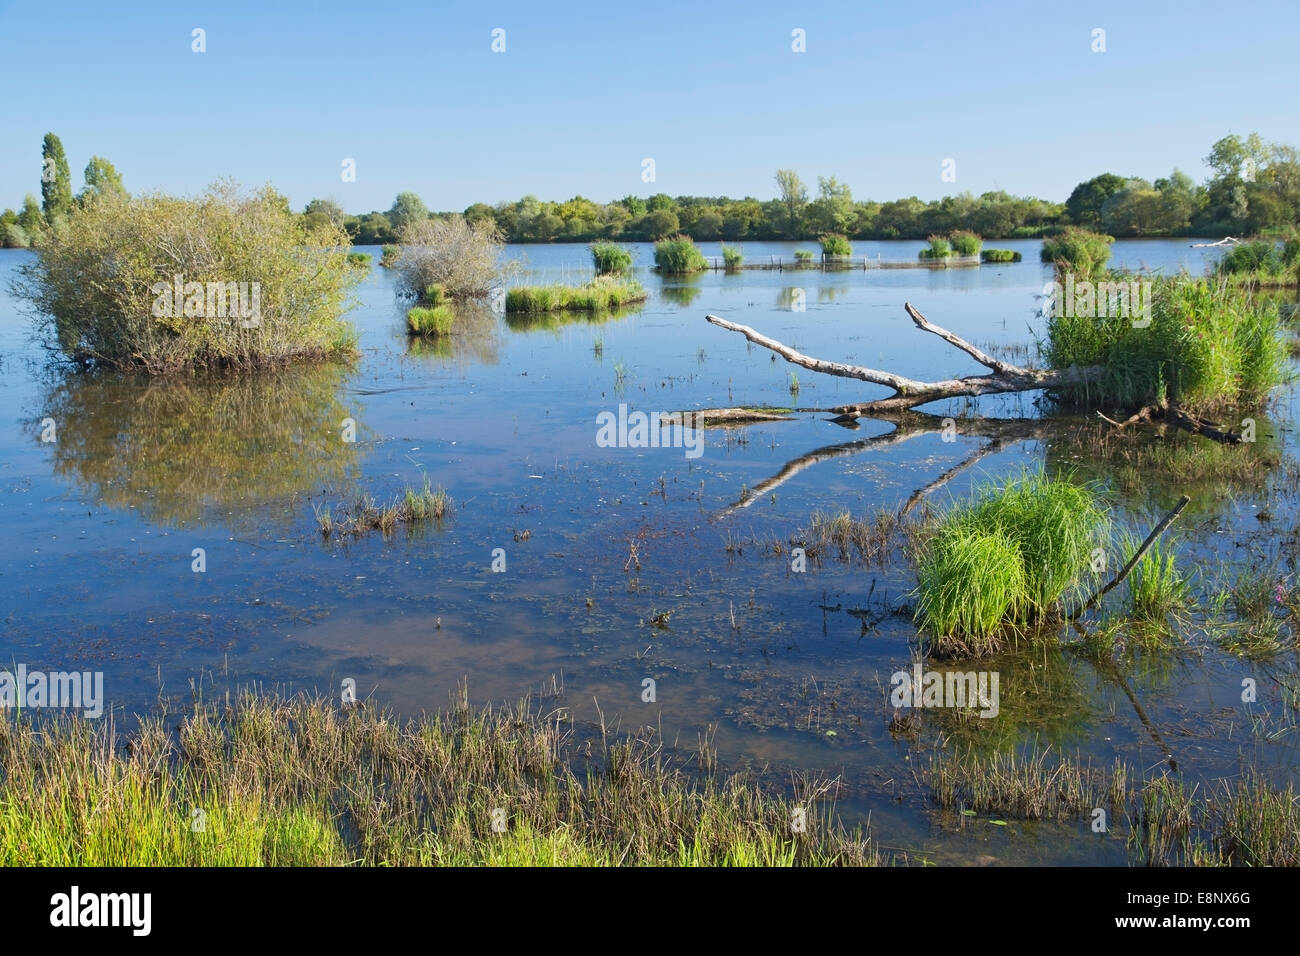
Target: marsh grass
x,y
434,320
1000,255
1079,251
678,256
600,294
871,540
1209,347
1247,822
1156,588
302,782
610,258
966,243
836,246
939,248
1004,561
411,507
732,258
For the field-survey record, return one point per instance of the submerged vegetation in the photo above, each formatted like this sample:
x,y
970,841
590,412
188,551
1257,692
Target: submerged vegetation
x,y
164,284
603,292
411,507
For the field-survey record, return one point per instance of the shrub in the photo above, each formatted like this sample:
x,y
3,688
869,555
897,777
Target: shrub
x,y
1262,257
359,259
939,249
966,243
803,257
1000,255
732,258
105,283
610,258
389,257
462,257
603,292
678,256
1079,251
432,320
836,246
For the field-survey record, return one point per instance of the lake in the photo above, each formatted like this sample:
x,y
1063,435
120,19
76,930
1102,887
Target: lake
x,y
620,564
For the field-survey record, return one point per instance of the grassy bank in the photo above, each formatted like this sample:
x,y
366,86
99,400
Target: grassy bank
x,y
307,782
603,292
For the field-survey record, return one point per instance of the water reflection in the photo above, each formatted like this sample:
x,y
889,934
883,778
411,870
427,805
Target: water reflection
x,y
475,338
554,321
219,448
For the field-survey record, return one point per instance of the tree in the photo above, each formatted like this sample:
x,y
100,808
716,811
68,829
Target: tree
x,y
1085,202
660,224
407,210
31,218
102,179
56,179
832,211
326,209
794,196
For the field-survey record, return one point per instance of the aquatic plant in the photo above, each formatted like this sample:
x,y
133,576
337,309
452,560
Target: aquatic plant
x,y
610,258
836,246
966,243
603,292
1000,255
1079,251
434,320
678,256
732,258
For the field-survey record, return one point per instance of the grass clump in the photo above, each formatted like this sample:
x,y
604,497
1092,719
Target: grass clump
x,y
432,320
434,294
678,256
610,258
833,246
939,248
803,258
1262,261
602,293
1005,561
1079,251
966,243
303,782
1156,588
164,284
360,259
1000,255
1208,347
732,258
388,256
411,507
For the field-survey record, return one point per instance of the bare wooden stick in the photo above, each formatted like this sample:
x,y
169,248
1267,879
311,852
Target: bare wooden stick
x,y
1156,532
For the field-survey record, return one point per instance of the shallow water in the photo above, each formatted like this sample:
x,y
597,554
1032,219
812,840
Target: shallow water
x,y
788,671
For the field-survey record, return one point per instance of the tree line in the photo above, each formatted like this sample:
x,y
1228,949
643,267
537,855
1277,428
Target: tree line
x,y
1253,188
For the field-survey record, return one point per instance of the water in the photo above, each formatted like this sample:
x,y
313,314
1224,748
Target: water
x,y
788,671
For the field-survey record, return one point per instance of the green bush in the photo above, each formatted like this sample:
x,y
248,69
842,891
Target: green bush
x,y
1261,257
836,246
940,248
732,258
1000,255
678,256
389,257
106,283
432,320
1079,251
610,258
359,259
803,257
966,243
434,294
1208,347
601,293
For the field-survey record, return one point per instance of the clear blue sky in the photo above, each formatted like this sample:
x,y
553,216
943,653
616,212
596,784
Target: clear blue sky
x,y
583,92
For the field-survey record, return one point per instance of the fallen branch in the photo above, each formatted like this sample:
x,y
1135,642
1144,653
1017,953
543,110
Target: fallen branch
x,y
908,393
1156,532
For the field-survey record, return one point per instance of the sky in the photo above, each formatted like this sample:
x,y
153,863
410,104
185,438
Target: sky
x,y
583,94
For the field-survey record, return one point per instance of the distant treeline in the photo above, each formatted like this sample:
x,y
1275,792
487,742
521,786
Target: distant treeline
x,y
1253,189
